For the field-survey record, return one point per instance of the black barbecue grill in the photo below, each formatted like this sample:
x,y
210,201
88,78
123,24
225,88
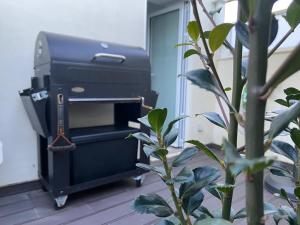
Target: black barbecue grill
x,y
84,101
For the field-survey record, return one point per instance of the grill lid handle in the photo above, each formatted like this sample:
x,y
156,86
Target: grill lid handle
x,y
120,58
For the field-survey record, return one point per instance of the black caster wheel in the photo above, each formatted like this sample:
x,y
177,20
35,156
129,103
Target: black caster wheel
x,y
139,180
44,188
138,183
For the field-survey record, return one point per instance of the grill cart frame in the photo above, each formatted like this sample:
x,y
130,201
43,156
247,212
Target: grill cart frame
x,y
68,71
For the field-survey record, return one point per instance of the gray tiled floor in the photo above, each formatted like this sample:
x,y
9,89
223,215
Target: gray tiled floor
x,y
109,204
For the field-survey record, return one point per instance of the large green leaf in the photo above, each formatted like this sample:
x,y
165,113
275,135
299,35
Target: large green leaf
x,y
237,164
203,176
251,165
144,120
291,99
152,204
274,29
184,176
283,194
289,67
192,203
215,118
282,102
172,123
206,150
142,137
184,156
156,118
171,137
284,149
242,32
295,135
213,221
201,211
149,150
193,30
268,209
204,79
159,170
207,173
285,213
281,170
212,189
218,35
293,14
291,91
231,153
155,151
283,120
297,192
173,220
190,52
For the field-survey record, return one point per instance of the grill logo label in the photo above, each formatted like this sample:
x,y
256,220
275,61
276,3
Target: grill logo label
x,y
78,89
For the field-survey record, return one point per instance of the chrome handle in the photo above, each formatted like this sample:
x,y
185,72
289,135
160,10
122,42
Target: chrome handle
x,y
122,58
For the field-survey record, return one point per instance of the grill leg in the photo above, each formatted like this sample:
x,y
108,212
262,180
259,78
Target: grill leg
x,y
139,180
60,201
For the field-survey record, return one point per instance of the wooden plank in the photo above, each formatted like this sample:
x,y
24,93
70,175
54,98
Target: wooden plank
x,y
18,218
139,219
15,208
108,204
63,216
13,199
111,214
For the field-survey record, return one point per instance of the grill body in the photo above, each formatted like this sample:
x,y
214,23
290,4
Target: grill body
x,y
90,92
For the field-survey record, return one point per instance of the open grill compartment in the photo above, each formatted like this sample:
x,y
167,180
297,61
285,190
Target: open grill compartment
x,y
83,97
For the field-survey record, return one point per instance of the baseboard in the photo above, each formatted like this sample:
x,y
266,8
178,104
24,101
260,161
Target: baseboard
x,y
19,188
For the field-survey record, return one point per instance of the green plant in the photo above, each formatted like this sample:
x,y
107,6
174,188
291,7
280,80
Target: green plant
x,y
256,29
256,35
189,182
292,128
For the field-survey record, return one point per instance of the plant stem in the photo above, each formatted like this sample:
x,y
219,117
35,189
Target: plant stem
x,y
259,29
171,186
237,87
210,59
298,178
173,193
208,53
281,41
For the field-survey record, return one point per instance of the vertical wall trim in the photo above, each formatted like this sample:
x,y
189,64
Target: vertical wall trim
x,y
183,80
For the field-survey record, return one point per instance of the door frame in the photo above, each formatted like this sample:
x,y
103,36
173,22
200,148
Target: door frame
x,y
181,83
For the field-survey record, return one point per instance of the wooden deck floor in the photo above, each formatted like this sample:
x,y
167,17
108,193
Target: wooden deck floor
x,y
109,204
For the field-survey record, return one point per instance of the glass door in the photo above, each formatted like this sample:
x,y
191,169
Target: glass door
x,y
166,29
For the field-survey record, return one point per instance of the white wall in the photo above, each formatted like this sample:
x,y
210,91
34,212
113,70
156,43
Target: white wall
x,y
200,101
20,21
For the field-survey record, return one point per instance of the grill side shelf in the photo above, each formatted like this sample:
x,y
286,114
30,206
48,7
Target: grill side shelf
x,y
35,106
